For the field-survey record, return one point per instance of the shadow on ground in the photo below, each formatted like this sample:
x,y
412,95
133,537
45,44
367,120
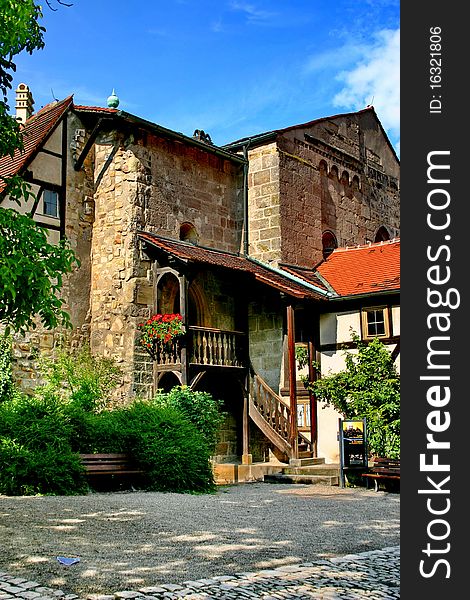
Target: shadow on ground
x,y
126,541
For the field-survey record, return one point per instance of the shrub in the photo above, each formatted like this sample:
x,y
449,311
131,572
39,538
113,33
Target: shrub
x,y
167,446
368,387
40,436
35,449
204,411
78,375
6,380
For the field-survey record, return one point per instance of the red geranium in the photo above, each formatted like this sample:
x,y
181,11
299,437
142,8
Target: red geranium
x,y
161,328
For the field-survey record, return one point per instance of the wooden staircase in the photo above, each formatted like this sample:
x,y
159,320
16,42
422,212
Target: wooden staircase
x,y
272,415
307,471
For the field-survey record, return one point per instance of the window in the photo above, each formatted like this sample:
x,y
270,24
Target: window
x,y
382,234
51,203
188,233
329,243
375,322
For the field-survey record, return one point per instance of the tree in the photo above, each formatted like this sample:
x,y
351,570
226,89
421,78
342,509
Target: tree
x,y
368,387
31,269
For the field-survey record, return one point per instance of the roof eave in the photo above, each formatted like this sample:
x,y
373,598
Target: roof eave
x,y
365,295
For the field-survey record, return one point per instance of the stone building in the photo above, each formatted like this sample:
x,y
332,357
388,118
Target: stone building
x,y
229,237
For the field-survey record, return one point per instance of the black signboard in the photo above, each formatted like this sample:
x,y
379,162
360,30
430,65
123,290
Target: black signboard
x,y
352,446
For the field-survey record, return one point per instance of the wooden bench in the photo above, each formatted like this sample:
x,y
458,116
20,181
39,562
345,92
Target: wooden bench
x,y
383,469
117,463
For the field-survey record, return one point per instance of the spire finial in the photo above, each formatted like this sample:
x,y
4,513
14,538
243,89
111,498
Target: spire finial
x,y
113,100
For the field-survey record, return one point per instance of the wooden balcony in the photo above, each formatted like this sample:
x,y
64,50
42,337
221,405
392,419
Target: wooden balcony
x,y
205,346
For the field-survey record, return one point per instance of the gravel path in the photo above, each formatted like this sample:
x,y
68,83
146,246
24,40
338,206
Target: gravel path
x,y
127,541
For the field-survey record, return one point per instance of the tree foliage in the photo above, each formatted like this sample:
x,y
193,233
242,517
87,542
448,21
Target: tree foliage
x,y
368,387
31,269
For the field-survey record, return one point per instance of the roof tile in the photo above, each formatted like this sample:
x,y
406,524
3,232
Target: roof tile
x,y
217,258
35,131
363,269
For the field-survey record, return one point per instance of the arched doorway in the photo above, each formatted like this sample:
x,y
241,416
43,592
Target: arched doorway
x,y
167,381
229,389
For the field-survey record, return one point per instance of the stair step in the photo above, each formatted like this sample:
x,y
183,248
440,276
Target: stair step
x,y
324,469
306,462
306,479
305,454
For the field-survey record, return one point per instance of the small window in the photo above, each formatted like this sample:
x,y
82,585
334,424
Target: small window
x,y
375,323
382,234
188,233
329,243
51,203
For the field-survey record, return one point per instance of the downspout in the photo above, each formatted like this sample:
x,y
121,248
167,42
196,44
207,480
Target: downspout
x,y
246,243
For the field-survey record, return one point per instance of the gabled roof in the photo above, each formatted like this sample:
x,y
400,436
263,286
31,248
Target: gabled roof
x,y
368,269
267,136
262,273
35,132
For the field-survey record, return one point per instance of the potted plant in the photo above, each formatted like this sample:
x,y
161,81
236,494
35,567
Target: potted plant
x,y
158,333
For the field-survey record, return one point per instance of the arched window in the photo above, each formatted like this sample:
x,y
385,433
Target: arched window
x,y
329,243
188,233
382,234
168,294
334,174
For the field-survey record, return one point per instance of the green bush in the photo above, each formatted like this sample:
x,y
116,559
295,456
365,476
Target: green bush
x,y
35,449
204,411
40,438
6,380
168,447
78,375
368,387
171,438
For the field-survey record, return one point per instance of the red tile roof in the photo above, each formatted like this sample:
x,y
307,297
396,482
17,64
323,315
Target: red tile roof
x,y
363,269
35,132
307,275
95,109
217,258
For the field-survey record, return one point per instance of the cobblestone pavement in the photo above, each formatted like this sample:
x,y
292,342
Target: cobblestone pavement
x,y
374,575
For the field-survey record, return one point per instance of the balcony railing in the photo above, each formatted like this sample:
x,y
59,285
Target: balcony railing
x,y
205,347
216,347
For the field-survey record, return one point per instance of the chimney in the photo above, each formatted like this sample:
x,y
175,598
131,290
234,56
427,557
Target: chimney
x,y
24,103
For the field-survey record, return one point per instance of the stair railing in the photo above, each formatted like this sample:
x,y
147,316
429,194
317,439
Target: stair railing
x,y
271,414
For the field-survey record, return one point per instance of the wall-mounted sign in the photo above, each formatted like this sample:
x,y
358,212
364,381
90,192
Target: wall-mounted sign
x,y
352,445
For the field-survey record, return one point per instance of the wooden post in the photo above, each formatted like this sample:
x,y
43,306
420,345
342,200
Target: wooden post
x,y
312,376
292,380
183,281
246,456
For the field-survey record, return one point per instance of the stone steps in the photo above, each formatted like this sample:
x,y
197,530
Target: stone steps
x,y
306,479
307,471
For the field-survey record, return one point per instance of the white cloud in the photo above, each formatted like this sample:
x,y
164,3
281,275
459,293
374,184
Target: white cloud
x,y
254,15
375,79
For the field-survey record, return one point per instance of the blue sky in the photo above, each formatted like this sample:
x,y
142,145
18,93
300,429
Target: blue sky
x,y
230,67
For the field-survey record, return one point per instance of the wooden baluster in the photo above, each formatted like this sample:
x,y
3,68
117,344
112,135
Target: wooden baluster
x,y
210,347
231,355
218,348
205,351
224,349
233,351
198,346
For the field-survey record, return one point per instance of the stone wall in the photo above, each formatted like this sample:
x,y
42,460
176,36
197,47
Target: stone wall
x,y
185,184
157,187
265,325
263,203
339,175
